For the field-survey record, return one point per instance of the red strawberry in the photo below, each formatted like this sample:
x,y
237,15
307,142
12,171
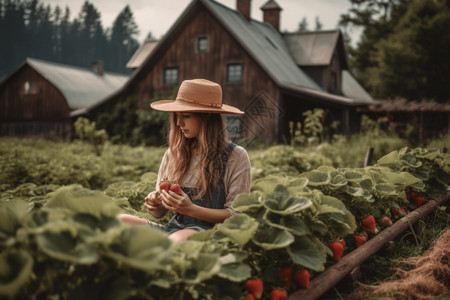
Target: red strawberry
x,y
286,273
302,278
386,221
419,201
337,248
414,195
359,240
255,286
164,185
278,294
402,212
250,297
369,224
342,241
176,189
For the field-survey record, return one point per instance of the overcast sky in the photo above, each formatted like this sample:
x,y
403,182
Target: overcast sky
x,y
157,16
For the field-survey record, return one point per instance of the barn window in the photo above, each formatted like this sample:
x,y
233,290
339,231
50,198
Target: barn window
x,y
29,88
202,44
234,73
170,76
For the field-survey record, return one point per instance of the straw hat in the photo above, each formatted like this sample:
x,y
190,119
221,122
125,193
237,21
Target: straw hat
x,y
197,95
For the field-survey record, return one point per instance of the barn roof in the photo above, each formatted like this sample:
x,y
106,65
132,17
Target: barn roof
x,y
81,87
142,53
313,48
352,89
265,44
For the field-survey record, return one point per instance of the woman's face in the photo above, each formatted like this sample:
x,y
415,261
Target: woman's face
x,y
189,123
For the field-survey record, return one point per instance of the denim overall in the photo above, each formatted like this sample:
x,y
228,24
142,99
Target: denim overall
x,y
215,200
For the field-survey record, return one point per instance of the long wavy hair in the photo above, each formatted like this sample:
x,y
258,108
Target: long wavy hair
x,y
211,142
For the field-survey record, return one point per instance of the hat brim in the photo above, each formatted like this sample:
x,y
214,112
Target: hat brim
x,y
181,106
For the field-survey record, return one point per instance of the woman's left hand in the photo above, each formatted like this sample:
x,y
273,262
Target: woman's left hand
x,y
181,204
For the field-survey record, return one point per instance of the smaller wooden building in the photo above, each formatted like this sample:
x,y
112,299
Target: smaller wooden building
x,y
39,97
418,121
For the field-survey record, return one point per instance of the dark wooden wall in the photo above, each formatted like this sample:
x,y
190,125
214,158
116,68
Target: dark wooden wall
x,y
223,49
43,111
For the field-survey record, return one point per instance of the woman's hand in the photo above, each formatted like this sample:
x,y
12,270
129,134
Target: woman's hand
x,y
152,202
181,204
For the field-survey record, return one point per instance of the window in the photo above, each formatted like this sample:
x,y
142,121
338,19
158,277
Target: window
x,y
29,88
170,76
202,44
234,73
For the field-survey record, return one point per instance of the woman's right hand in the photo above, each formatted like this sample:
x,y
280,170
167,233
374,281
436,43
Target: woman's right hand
x,y
152,202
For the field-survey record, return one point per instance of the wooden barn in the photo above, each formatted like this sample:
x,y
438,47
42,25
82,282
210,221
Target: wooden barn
x,y
274,77
39,97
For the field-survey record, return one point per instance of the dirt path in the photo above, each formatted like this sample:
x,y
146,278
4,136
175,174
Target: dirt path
x,y
430,279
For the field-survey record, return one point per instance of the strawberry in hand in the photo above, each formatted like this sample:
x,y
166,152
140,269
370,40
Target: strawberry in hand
x,y
176,188
164,185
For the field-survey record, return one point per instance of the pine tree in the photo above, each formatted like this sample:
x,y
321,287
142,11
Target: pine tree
x,y
123,39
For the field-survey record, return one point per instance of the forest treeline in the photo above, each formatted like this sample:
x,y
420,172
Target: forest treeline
x,y
28,28
404,49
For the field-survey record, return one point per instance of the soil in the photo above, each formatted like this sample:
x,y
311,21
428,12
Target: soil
x,y
429,278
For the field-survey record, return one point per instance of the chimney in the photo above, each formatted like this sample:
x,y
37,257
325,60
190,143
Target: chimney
x,y
97,67
271,14
244,7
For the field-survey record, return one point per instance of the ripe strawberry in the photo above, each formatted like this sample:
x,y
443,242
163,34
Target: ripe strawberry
x,y
402,212
250,296
176,189
419,201
337,248
278,294
342,241
286,274
164,185
360,240
413,195
255,286
368,224
386,221
302,278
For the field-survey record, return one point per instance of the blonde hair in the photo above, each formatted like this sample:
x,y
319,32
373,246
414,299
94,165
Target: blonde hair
x,y
212,140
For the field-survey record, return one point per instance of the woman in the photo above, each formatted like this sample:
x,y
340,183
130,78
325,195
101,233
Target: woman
x,y
210,169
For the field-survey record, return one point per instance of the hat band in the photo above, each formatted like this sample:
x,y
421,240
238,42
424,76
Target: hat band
x,y
200,103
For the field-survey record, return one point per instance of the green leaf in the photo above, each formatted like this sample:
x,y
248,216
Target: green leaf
x,y
11,213
64,246
289,205
295,225
80,200
141,247
239,228
353,175
270,238
236,272
316,178
16,268
307,253
246,202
